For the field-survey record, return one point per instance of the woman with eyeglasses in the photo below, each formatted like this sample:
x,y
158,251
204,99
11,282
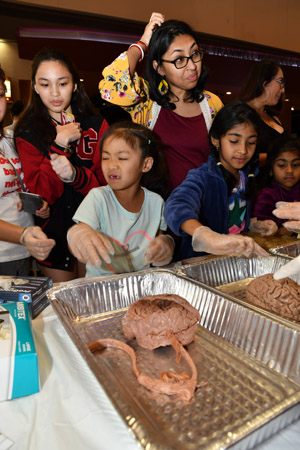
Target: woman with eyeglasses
x,y
172,101
263,90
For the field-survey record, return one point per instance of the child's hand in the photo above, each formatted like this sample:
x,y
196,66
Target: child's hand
x,y
88,245
37,243
289,210
44,211
263,227
160,250
207,240
67,133
62,167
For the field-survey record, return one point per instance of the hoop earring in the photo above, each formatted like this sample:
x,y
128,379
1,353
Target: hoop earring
x,y
163,87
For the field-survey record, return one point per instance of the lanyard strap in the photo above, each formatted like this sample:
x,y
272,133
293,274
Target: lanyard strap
x,y
18,176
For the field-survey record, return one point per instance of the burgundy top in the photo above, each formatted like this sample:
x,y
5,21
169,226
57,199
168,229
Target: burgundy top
x,y
265,201
185,142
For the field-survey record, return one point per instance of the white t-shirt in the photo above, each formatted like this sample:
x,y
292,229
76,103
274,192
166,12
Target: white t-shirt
x,y
130,233
9,198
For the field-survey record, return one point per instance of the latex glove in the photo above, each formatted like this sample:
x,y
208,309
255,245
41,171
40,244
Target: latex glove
x,y
62,167
287,210
89,245
37,242
263,227
160,251
291,268
207,240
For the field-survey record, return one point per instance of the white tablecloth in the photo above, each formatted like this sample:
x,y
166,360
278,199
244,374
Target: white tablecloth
x,y
72,410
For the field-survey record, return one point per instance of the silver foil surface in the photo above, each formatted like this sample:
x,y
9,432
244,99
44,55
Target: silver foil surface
x,y
248,364
287,250
231,275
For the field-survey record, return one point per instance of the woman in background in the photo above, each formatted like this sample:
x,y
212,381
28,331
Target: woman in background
x,y
263,90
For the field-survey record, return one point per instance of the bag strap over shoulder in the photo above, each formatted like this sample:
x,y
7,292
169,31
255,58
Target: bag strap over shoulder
x,y
18,176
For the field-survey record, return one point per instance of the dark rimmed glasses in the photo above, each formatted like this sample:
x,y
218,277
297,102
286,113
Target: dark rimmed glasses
x,y
182,61
281,81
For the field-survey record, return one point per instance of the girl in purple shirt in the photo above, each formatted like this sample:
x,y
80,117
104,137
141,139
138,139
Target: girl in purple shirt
x,y
281,181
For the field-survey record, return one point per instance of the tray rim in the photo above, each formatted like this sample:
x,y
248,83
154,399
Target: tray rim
x,y
274,250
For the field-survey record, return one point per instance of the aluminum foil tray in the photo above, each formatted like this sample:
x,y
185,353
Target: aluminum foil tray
x,y
231,275
248,365
288,250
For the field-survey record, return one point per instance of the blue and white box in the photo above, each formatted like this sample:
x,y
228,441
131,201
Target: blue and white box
x,y
32,290
19,370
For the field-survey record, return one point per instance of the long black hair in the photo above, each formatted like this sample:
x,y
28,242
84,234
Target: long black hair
x,y
36,117
279,146
229,116
159,44
140,137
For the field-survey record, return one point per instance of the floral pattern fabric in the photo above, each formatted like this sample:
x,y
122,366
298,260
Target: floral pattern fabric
x,y
133,94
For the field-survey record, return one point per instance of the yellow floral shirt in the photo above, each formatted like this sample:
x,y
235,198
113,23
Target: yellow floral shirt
x,y
133,94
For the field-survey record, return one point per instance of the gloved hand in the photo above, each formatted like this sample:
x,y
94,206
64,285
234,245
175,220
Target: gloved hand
x,y
207,240
263,227
37,243
88,245
291,268
160,251
289,210
62,167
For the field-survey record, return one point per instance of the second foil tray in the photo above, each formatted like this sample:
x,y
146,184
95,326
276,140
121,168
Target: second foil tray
x,y
288,250
231,275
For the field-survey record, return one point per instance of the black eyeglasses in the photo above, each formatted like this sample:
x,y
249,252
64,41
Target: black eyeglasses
x,y
281,81
182,61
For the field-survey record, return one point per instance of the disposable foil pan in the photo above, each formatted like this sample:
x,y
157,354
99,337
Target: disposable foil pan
x,y
287,250
248,365
231,275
